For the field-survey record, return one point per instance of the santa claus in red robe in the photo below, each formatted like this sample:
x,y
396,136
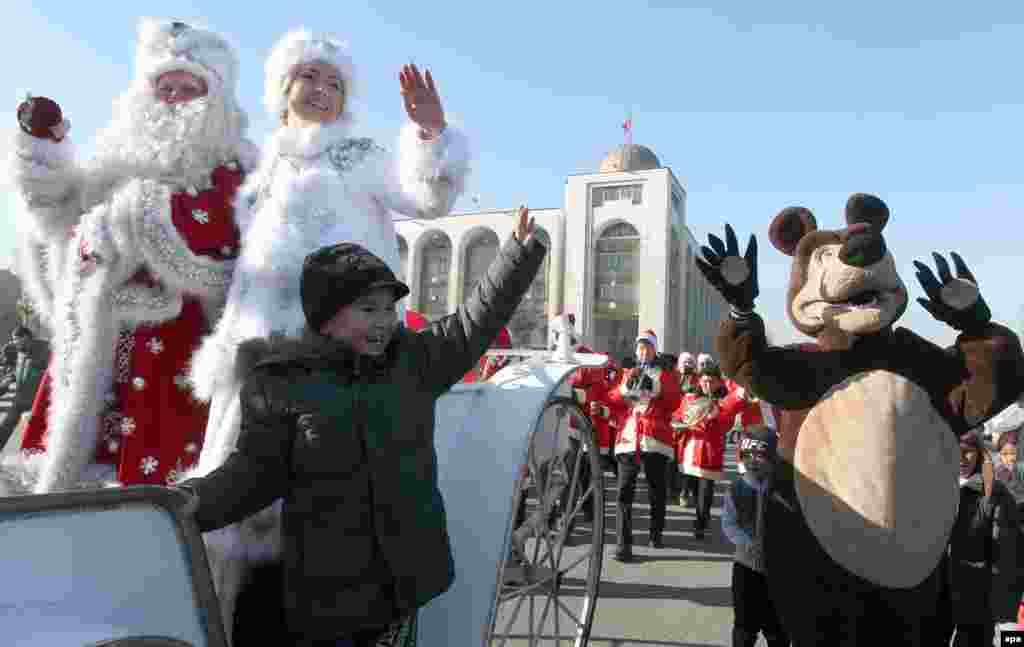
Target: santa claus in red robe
x,y
128,258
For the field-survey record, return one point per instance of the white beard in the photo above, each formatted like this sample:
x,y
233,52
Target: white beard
x,y
183,142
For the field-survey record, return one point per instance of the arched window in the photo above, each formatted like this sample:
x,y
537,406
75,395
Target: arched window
x,y
529,324
480,252
403,257
436,260
616,297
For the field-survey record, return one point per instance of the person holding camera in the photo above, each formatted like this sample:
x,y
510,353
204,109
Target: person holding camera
x,y
647,394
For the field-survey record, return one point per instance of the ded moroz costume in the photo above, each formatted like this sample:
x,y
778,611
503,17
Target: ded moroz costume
x,y
128,259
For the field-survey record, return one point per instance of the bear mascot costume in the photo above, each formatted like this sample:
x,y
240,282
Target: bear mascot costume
x,y
866,492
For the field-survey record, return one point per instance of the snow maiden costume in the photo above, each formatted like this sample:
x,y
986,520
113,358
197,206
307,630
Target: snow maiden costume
x,y
866,493
128,259
316,185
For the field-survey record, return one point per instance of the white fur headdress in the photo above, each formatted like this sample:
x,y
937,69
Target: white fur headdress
x,y
166,46
302,46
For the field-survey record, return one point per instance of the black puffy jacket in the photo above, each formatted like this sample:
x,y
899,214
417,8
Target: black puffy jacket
x,y
348,442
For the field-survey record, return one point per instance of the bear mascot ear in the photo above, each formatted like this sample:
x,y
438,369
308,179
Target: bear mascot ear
x,y
862,208
787,228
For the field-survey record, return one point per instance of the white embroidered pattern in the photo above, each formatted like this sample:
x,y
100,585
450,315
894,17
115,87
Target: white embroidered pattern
x,y
181,381
200,216
155,345
167,252
125,347
176,473
127,426
145,303
348,154
148,465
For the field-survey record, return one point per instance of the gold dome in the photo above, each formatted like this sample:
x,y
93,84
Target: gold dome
x,y
633,157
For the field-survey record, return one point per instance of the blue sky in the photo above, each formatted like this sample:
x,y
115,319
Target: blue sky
x,y
755,106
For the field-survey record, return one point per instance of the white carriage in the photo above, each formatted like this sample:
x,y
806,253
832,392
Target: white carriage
x,y
73,577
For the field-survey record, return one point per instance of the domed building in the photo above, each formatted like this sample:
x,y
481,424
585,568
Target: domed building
x,y
621,258
630,157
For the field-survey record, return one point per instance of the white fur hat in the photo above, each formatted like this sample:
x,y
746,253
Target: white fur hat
x,y
686,359
166,46
705,360
302,46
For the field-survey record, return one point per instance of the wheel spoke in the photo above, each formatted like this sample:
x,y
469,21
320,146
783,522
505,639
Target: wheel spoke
x,y
528,588
512,620
556,466
543,618
558,631
572,616
576,562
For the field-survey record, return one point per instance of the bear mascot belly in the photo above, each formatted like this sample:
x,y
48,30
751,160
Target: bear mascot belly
x,y
865,495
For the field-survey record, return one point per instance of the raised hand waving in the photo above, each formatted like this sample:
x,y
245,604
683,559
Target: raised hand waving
x,y
956,301
734,276
422,100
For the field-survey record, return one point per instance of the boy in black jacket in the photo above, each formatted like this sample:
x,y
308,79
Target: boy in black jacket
x,y
341,426
743,524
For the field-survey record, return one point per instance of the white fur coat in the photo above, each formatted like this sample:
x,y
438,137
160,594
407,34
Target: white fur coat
x,y
314,187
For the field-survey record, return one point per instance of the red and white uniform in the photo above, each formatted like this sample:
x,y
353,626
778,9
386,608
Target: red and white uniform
x,y
705,422
646,426
590,386
488,366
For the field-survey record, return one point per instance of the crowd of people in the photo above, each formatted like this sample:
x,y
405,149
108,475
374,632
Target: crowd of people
x,y
225,321
672,417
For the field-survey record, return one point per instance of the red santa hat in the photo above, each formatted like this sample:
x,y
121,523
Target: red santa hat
x,y
295,48
649,337
166,46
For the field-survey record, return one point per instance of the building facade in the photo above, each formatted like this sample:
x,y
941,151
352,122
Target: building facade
x,y
621,258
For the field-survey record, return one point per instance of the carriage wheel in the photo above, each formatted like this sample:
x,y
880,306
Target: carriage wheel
x,y
548,585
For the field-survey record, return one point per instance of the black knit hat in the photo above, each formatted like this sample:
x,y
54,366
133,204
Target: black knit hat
x,y
712,371
335,276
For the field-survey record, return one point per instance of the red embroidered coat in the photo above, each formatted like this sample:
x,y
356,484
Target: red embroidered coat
x,y
147,303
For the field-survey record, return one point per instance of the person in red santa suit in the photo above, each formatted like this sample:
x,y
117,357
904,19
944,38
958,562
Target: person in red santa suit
x,y
490,364
590,387
650,394
687,368
596,404
128,258
757,412
706,419
561,325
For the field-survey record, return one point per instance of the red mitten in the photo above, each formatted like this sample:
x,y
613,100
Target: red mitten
x,y
41,117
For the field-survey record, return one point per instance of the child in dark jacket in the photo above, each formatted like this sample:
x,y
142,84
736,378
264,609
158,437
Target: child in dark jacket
x,y
341,426
982,561
743,524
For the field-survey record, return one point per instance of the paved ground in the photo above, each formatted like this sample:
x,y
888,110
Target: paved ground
x,y
678,596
